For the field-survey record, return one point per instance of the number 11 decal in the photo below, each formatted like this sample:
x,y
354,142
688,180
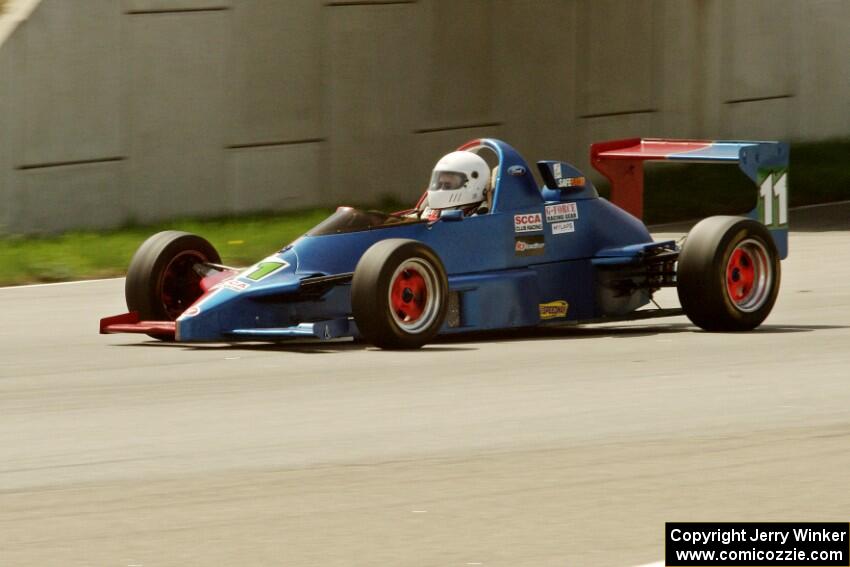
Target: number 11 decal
x,y
773,198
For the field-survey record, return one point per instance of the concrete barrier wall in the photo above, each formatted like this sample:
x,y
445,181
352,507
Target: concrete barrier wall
x,y
142,110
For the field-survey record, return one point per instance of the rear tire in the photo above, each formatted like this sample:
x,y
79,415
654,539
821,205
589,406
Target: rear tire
x,y
161,281
399,294
728,274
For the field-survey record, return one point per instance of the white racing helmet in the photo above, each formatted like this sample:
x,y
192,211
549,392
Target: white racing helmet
x,y
459,178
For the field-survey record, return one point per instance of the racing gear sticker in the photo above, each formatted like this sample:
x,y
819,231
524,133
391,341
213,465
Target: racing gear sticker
x,y
561,212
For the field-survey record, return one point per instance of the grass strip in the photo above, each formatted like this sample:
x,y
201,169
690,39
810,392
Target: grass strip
x,y
819,173
77,255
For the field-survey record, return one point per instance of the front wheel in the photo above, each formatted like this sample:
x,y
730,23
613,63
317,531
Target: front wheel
x,y
728,274
399,294
163,279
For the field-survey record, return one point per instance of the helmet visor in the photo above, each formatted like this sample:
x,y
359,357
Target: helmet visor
x,y
447,180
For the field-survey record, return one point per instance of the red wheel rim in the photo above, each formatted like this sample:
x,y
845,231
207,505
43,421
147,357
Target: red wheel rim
x,y
740,275
179,284
414,296
409,295
749,275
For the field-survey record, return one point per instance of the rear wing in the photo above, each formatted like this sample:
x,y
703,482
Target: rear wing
x,y
766,163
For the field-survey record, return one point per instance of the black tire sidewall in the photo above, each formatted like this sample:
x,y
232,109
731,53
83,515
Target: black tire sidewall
x,y
701,273
370,289
142,288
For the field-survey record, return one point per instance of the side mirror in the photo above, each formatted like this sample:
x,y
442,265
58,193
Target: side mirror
x,y
453,215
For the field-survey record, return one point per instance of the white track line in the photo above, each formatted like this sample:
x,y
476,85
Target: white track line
x,y
30,286
656,564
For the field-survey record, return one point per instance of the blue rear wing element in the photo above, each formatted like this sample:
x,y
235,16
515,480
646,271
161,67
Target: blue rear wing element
x,y
765,163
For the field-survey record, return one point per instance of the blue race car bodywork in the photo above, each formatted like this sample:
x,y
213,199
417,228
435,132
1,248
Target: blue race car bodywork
x,y
559,254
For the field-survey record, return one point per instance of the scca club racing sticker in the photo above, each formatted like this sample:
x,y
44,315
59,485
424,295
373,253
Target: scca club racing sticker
x,y
554,309
563,227
529,246
528,223
561,212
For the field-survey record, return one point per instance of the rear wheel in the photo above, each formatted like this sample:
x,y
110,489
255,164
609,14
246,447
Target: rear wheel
x,y
728,274
162,281
399,294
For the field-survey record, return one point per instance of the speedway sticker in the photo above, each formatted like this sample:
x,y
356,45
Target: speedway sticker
x,y
529,246
563,227
554,309
265,268
561,212
528,223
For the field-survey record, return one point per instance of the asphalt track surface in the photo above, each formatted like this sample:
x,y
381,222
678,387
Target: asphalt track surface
x,y
568,447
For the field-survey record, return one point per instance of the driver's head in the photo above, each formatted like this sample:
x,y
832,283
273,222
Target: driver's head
x,y
459,178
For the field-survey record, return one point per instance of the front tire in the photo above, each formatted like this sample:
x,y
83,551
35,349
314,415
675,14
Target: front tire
x,y
728,274
399,294
162,281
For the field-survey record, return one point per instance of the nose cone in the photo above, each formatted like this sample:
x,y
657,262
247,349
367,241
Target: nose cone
x,y
227,306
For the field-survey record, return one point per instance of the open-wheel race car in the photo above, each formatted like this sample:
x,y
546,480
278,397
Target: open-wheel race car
x,y
529,256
